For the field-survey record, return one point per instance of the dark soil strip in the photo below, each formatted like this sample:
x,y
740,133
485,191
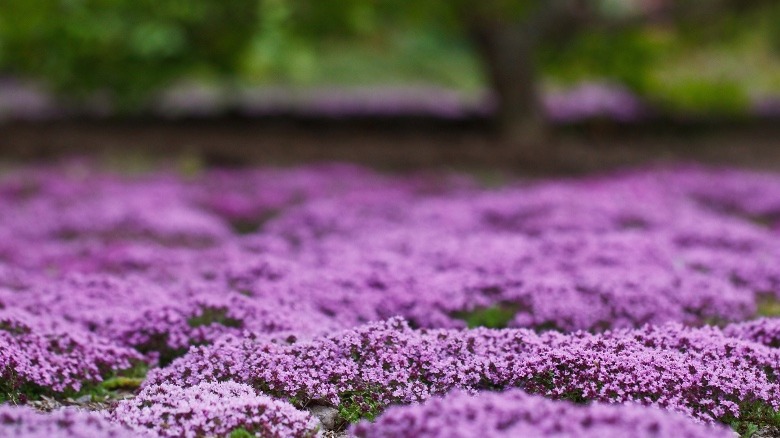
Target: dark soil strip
x,y
399,142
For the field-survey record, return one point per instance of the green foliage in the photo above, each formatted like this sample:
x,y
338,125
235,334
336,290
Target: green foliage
x,y
768,306
753,417
497,316
158,343
359,405
241,433
626,57
125,383
124,380
716,76
546,383
276,49
774,31
128,48
696,94
214,315
408,56
315,19
125,50
13,391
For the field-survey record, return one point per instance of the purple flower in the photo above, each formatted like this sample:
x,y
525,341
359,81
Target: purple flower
x,y
212,409
514,413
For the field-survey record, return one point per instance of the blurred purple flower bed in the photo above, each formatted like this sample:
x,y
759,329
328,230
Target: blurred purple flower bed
x,y
597,100
577,103
637,303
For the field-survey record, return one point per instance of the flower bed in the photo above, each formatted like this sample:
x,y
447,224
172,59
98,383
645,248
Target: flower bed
x,y
514,413
253,294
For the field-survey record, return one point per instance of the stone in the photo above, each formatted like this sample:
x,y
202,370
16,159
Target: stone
x,y
767,432
328,416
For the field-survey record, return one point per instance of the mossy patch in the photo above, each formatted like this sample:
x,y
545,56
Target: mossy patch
x,y
768,306
158,343
214,315
496,316
13,390
241,433
754,417
359,405
123,383
243,226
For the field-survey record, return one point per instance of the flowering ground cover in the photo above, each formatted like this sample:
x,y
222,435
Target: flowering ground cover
x,y
240,302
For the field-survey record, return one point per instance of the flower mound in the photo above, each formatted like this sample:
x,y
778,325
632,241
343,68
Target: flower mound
x,y
765,331
515,413
363,370
41,354
20,422
212,409
355,290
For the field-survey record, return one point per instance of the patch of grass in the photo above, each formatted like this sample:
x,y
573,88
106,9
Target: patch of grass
x,y
125,383
124,380
768,306
359,405
753,417
496,316
391,57
212,315
251,225
362,404
241,433
14,391
158,343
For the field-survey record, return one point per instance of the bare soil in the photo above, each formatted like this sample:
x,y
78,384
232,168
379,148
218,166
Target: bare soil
x,y
398,143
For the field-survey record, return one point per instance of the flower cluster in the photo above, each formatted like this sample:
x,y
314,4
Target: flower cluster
x,y
22,422
212,409
347,246
765,331
712,375
514,413
38,353
345,287
154,319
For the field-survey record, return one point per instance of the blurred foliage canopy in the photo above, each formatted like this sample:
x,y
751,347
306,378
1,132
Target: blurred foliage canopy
x,y
130,48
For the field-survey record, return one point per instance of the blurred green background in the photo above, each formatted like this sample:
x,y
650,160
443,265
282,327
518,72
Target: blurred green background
x,y
710,56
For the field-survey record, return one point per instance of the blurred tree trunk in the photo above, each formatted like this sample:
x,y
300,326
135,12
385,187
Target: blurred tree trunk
x,y
509,54
507,40
507,35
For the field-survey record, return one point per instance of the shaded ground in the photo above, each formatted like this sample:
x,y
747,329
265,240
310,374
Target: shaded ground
x,y
384,127
397,142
